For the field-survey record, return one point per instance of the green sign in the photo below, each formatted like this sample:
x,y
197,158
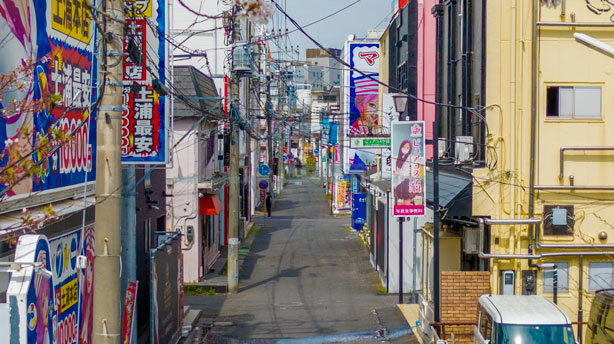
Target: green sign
x,y
370,142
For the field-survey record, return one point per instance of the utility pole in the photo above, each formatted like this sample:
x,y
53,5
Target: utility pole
x,y
280,159
269,115
107,254
233,188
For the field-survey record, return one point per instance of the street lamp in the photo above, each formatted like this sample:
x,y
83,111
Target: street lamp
x,y
400,102
594,43
400,105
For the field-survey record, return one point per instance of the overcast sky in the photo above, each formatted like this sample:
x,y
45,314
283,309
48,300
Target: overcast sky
x,y
332,32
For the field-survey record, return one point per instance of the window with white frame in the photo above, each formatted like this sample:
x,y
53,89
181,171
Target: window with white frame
x,y
576,102
562,274
600,276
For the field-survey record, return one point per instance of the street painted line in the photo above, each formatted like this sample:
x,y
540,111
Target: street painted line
x,y
398,332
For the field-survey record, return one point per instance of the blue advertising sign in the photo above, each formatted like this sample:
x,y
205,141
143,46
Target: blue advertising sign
x,y
63,57
359,211
73,288
264,170
316,151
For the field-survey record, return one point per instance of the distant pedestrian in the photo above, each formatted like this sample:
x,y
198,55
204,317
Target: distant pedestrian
x,y
268,202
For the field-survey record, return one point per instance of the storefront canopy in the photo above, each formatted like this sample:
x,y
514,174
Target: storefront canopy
x,y
455,193
209,205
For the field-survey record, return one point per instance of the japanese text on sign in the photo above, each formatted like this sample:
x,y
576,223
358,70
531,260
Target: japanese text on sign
x,y
136,33
69,295
71,18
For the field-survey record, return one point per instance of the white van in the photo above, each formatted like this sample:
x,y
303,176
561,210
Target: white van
x,y
521,319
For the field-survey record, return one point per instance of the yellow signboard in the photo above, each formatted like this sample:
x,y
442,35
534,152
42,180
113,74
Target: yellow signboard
x,y
138,8
69,294
71,18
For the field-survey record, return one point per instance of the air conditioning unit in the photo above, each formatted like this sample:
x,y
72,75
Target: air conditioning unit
x,y
441,147
471,239
463,149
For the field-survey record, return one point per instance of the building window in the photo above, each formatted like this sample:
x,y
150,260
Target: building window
x,y
402,77
562,270
600,276
579,102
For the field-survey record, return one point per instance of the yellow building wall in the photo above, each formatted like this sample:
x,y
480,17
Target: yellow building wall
x,y
503,191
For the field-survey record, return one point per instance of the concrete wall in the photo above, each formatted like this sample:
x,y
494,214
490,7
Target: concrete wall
x,y
183,206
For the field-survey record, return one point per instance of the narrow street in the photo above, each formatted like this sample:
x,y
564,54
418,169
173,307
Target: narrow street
x,y
306,276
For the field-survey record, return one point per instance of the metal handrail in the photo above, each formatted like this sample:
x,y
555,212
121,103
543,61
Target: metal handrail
x,y
567,24
589,148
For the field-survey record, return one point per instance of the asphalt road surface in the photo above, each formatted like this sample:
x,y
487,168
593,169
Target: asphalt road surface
x,y
307,279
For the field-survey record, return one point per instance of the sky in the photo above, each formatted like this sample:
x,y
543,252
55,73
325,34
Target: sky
x,y
332,32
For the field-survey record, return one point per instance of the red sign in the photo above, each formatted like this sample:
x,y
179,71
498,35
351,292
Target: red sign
x,y
135,42
402,3
128,313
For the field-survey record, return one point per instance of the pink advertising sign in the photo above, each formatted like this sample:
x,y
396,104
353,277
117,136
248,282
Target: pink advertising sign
x,y
408,189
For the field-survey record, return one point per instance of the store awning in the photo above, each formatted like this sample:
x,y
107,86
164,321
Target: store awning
x,y
455,193
209,205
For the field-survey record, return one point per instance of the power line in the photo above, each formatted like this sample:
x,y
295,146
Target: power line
x,y
413,96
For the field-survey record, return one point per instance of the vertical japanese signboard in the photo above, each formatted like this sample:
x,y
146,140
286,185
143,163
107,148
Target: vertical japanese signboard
x,y
408,191
54,41
145,107
128,311
343,193
362,106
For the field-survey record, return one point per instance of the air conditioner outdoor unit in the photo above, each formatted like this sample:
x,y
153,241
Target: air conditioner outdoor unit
x,y
471,238
441,147
463,149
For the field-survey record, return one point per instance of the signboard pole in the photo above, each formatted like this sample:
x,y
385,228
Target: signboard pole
x,y
107,287
436,300
401,221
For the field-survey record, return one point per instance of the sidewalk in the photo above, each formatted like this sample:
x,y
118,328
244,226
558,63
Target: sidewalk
x,y
217,280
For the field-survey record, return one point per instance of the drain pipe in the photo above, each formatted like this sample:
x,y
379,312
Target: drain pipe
x,y
532,229
533,125
413,282
387,240
580,315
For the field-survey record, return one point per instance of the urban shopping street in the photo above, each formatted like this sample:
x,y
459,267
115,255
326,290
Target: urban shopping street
x,y
305,276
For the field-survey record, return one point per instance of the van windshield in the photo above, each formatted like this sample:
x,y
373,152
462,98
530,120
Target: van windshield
x,y
534,334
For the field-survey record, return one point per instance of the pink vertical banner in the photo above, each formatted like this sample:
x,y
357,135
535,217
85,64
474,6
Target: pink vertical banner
x,y
408,162
128,311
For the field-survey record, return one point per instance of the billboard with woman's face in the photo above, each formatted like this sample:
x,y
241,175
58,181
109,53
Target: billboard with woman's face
x,y
362,107
408,190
